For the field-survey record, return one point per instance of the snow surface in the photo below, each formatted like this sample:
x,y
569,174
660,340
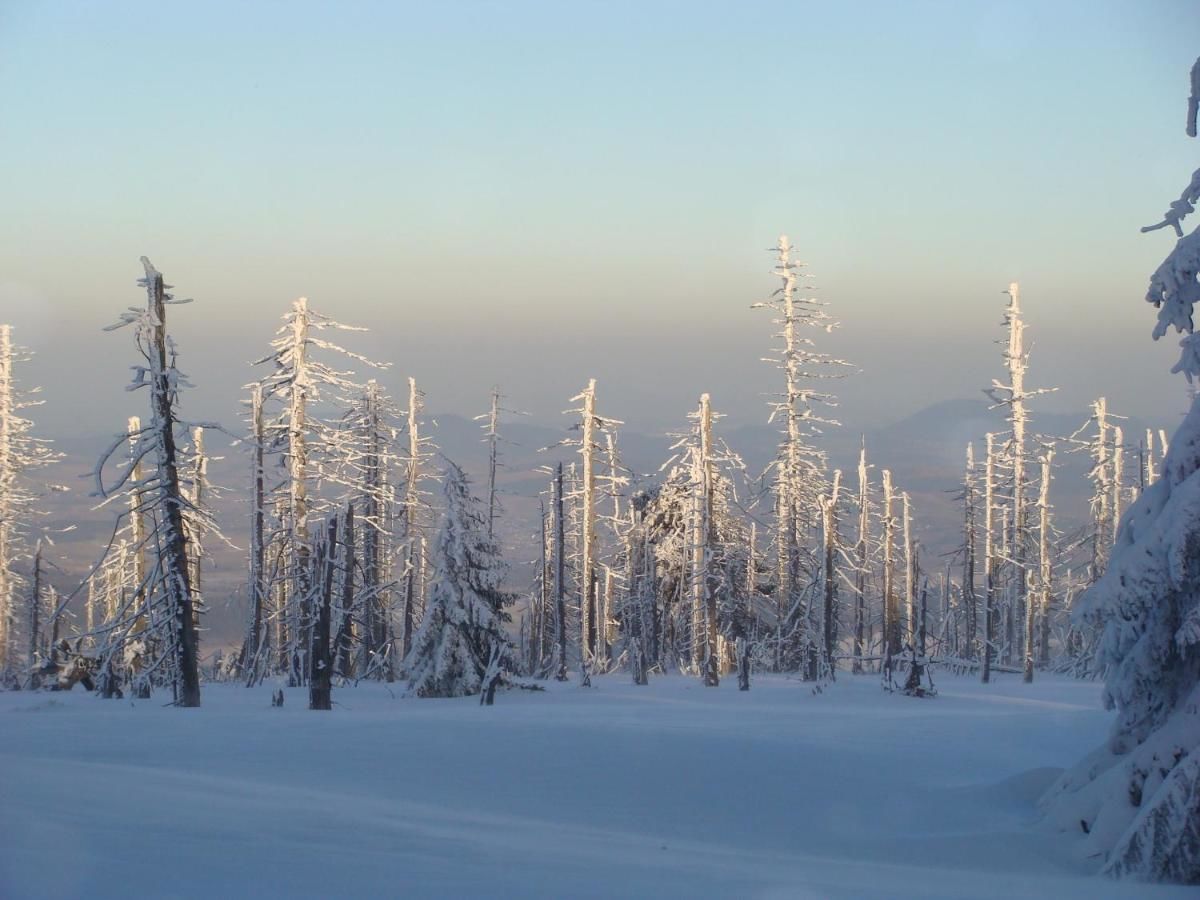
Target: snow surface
x,y
670,790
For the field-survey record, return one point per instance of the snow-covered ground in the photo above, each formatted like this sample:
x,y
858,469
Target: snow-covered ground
x,y
671,790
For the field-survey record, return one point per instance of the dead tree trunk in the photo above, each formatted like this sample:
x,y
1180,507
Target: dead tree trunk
x,y
560,572
255,647
970,540
989,559
891,611
35,624
173,553
320,676
829,613
345,633
863,561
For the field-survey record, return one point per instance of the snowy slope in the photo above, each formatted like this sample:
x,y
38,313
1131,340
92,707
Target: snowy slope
x,y
672,790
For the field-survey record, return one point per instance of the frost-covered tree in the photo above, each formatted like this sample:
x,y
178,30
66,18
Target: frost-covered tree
x,y
297,385
586,498
991,566
21,454
799,469
559,557
970,498
253,658
713,542
462,633
366,452
165,596
1014,397
891,603
415,514
1038,613
862,559
1135,802
831,577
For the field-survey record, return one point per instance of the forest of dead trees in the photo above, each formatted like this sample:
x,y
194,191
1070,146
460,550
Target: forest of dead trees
x,y
369,557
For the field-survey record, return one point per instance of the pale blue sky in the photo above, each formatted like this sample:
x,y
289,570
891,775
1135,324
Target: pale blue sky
x,y
537,193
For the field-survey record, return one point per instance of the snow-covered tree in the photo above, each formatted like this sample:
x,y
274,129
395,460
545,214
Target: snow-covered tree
x,y
991,566
21,454
970,498
253,659
1014,397
891,603
165,596
462,633
297,384
1038,613
560,575
1137,798
862,559
799,469
593,615
366,453
415,513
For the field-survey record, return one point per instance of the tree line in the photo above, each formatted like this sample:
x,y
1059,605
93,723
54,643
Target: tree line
x,y
365,543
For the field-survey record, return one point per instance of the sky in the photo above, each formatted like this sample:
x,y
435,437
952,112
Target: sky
x,y
533,194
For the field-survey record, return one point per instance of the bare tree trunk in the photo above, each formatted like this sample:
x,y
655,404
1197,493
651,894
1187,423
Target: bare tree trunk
x,y
560,588
989,559
137,516
411,504
704,599
891,611
910,574
281,608
588,530
35,623
373,630
298,494
255,646
1017,364
345,633
1118,466
863,559
173,559
493,435
1102,495
7,480
1045,563
320,681
970,538
829,528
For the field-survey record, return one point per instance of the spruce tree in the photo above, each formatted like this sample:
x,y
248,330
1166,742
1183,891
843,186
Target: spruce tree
x,y
462,634
1138,797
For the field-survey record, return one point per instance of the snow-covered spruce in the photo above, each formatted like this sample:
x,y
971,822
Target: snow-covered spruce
x,y
462,635
1137,798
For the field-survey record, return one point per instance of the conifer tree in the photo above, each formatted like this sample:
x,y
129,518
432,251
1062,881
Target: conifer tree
x,y
1138,796
462,637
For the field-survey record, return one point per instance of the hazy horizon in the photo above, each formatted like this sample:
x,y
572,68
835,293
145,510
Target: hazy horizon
x,y
531,195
